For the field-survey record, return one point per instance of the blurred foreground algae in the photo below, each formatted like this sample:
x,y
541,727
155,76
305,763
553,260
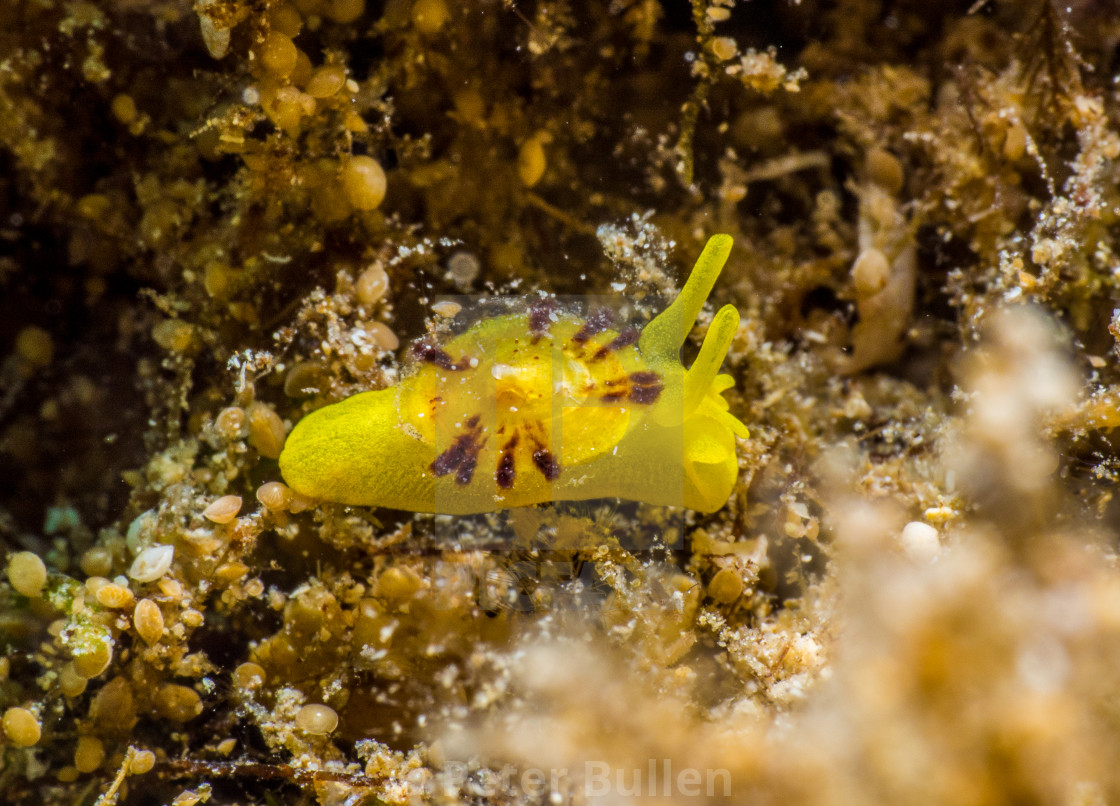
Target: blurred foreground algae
x,y
217,217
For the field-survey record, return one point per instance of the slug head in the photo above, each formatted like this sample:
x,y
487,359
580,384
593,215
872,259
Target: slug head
x,y
693,400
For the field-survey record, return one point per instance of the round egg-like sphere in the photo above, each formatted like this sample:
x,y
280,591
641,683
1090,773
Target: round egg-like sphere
x,y
266,430
223,510
21,727
326,81
428,16
278,54
27,573
317,719
275,495
363,182
372,284
726,586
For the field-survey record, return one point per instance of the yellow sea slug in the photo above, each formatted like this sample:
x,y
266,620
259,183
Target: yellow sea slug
x,y
538,406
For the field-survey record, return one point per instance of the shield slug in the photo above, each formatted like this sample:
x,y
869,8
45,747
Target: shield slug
x,y
537,406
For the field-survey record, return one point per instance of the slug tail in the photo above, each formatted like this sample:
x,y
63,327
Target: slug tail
x,y
662,338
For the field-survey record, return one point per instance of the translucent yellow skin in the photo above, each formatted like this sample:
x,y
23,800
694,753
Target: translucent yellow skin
x,y
534,407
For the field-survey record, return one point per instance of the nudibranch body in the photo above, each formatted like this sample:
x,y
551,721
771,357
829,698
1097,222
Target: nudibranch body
x,y
538,406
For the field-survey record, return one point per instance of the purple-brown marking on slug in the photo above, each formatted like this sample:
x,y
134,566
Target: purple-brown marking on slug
x,y
462,457
451,458
466,469
645,387
624,339
540,315
430,354
617,388
546,463
598,321
506,472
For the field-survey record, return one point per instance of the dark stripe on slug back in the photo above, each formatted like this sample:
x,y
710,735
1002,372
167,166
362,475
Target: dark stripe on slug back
x,y
598,321
624,339
645,387
617,389
466,470
540,315
430,354
547,464
506,472
462,457
451,458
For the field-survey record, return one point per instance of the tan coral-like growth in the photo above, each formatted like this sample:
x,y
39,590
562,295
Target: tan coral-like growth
x,y
218,218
